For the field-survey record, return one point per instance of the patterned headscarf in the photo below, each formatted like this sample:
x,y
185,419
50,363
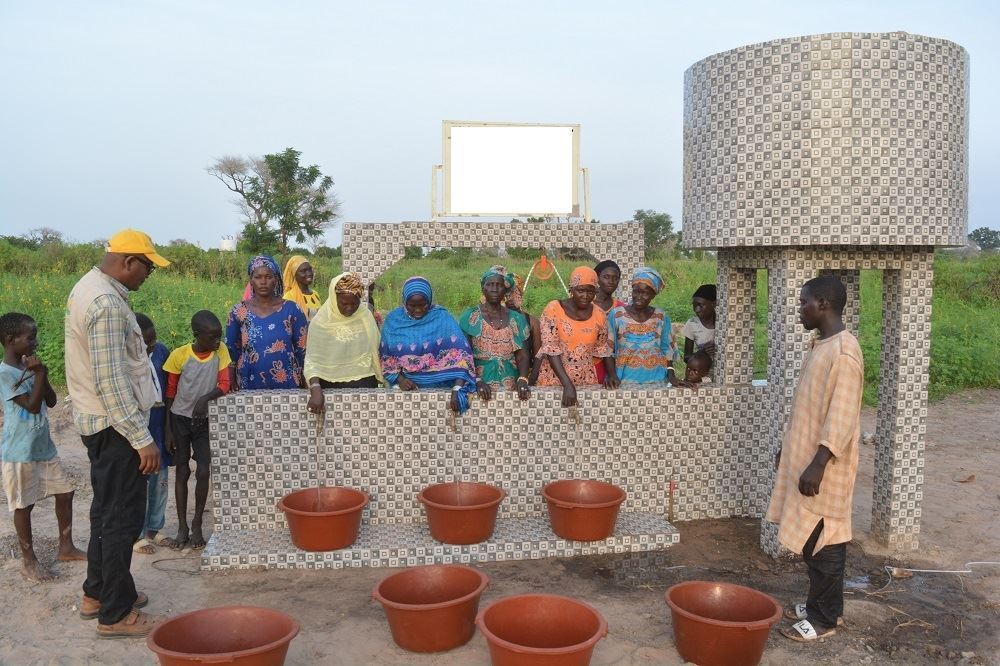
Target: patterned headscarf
x,y
515,294
583,276
649,277
350,283
498,271
262,260
418,285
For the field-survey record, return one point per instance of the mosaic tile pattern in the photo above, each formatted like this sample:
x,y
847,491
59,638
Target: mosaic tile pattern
x,y
392,444
370,249
836,139
902,412
411,544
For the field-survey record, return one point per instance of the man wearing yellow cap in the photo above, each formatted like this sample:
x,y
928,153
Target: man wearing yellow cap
x,y
112,389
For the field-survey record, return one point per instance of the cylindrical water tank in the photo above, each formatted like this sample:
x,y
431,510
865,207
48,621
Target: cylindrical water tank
x,y
836,139
227,244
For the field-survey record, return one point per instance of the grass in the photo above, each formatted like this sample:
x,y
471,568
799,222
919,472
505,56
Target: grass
x,y
965,337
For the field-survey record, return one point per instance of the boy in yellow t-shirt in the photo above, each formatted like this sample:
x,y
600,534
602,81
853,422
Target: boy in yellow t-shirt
x,y
197,373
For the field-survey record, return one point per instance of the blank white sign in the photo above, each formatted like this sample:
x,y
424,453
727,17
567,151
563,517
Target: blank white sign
x,y
511,170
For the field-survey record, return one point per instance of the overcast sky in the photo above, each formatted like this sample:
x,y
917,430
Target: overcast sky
x,y
112,110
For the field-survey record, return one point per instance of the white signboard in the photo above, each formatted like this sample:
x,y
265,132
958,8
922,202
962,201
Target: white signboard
x,y
511,169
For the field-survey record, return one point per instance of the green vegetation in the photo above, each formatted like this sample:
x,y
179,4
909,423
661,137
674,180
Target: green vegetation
x,y
965,341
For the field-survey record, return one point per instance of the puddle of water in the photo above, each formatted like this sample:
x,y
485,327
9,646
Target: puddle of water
x,y
630,569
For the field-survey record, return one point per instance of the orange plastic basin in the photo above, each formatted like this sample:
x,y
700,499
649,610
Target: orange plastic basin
x,y
461,512
432,608
720,624
583,510
541,630
324,518
244,635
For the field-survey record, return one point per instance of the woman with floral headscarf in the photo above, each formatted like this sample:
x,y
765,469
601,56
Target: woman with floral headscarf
x,y
342,349
640,333
423,347
499,337
298,278
574,334
265,334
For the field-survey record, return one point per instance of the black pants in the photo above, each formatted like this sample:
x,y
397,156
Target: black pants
x,y
117,514
825,602
364,382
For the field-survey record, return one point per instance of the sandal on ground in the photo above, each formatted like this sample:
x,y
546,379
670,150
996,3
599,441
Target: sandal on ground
x,y
144,547
798,612
90,608
134,625
804,632
164,541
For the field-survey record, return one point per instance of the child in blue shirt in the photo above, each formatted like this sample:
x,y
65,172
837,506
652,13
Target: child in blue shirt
x,y
31,467
157,485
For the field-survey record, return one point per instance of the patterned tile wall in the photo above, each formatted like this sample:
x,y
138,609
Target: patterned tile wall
x,y
391,444
370,249
902,411
836,139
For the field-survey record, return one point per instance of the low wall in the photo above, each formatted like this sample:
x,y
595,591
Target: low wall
x,y
392,443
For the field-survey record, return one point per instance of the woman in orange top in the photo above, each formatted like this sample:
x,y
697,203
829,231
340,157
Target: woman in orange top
x,y
574,333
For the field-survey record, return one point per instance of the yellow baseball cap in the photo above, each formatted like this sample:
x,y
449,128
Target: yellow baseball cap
x,y
130,241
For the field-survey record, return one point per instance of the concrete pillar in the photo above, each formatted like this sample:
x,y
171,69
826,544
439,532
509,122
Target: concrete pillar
x,y
736,314
902,400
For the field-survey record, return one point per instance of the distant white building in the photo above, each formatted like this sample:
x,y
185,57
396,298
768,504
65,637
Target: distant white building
x,y
227,244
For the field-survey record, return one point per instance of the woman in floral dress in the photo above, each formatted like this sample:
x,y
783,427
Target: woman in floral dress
x,y
265,334
500,338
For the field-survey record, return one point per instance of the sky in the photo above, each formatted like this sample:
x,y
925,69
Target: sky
x,y
112,110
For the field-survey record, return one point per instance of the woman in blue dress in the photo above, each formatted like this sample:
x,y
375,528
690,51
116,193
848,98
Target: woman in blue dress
x,y
423,347
640,333
265,334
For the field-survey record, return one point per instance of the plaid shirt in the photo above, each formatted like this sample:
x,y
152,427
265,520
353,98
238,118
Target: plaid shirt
x,y
107,328
826,410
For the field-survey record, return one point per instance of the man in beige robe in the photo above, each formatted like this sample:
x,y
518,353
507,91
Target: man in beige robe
x,y
818,461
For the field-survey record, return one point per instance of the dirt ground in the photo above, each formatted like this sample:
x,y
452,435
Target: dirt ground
x,y
928,618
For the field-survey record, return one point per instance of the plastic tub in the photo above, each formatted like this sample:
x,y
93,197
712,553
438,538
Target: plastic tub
x,y
583,510
244,635
720,624
324,518
461,512
432,608
542,630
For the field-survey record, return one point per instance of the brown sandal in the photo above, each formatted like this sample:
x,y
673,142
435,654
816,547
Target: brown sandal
x,y
134,625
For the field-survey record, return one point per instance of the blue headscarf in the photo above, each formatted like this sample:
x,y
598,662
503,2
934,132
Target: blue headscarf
x,y
431,351
648,276
418,285
264,260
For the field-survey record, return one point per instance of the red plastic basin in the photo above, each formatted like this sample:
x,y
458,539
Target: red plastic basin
x,y
244,635
720,624
583,510
324,518
432,608
461,512
541,630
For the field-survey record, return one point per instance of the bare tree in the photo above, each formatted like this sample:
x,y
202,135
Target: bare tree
x,y
43,236
236,173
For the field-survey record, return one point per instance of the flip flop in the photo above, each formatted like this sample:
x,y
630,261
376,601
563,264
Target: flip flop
x,y
798,612
805,632
144,547
165,541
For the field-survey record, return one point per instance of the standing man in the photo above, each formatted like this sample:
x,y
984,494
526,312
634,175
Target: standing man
x,y
112,390
818,461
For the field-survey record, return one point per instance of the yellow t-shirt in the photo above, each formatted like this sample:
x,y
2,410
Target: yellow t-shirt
x,y
311,302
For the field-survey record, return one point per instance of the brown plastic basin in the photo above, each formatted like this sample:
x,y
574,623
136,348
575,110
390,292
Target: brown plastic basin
x,y
583,510
542,630
432,608
461,512
244,635
720,624
324,518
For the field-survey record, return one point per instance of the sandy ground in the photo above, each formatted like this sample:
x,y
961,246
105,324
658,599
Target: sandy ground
x,y
925,619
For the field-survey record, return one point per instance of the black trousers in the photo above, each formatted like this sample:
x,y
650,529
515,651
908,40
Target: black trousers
x,y
825,602
117,514
364,382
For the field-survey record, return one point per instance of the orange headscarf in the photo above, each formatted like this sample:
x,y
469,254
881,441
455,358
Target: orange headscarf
x,y
583,276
